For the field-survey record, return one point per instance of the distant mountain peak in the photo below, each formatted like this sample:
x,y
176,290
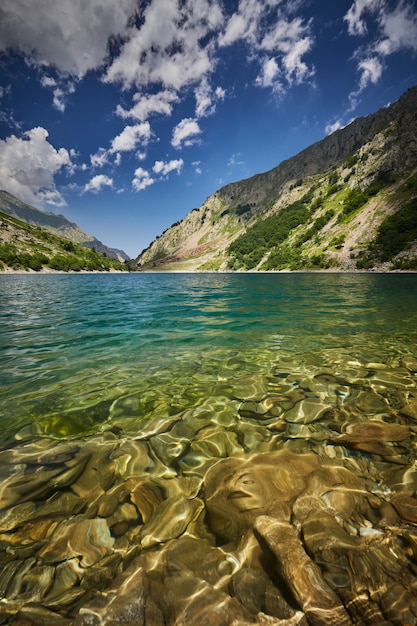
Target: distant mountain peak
x,y
55,223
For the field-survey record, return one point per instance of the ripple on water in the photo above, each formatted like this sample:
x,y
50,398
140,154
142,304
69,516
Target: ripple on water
x,y
298,477
228,467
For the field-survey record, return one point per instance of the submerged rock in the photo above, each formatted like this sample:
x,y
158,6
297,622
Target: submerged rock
x,y
374,437
89,540
286,499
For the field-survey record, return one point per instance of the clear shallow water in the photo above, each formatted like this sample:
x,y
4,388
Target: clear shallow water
x,y
70,342
179,430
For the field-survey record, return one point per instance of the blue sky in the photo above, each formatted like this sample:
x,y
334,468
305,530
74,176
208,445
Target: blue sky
x,y
124,116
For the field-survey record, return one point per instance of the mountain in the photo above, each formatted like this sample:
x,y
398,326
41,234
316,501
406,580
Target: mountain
x,y
346,203
27,247
55,224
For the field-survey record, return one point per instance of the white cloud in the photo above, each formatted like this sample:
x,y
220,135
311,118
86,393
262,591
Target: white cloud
x,y
100,158
147,104
355,16
128,140
235,30
295,68
395,30
166,49
142,179
269,75
333,126
235,160
70,35
399,30
28,166
48,81
290,41
164,168
182,133
131,137
244,24
371,71
220,93
286,41
98,182
197,167
60,91
206,98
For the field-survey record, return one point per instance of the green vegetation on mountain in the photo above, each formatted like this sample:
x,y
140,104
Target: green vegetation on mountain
x,y
55,224
27,247
345,203
249,249
397,233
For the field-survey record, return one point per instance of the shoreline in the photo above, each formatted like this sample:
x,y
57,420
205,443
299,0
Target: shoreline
x,y
48,271
44,271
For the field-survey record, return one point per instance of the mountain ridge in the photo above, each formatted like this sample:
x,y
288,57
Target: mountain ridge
x,y
380,147
29,248
56,224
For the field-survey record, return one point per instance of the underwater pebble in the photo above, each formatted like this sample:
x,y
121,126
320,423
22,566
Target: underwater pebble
x,y
410,362
171,519
306,411
406,507
166,519
89,539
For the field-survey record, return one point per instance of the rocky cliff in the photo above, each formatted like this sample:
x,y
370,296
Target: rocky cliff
x,y
347,202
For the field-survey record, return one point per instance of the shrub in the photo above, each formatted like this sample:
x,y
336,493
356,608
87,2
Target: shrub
x,y
396,232
265,235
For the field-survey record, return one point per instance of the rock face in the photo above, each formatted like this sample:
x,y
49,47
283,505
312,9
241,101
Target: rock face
x,y
232,518
380,148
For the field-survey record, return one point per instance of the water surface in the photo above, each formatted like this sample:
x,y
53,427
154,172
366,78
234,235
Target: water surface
x,y
147,421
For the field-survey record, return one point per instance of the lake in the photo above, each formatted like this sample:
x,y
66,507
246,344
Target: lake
x,y
233,448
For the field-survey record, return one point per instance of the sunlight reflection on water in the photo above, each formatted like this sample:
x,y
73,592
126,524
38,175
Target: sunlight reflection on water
x,y
122,397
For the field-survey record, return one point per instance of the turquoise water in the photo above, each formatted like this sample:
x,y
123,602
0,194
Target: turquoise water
x,y
229,448
75,349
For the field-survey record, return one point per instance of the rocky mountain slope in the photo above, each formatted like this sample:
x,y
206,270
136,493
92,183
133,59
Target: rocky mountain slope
x,y
56,224
346,203
31,248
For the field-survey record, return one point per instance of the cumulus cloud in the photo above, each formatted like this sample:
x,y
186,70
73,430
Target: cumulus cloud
x,y
244,24
131,137
355,17
207,98
28,165
269,75
371,71
70,35
333,126
395,28
289,40
60,91
98,182
159,49
184,134
279,47
100,158
145,105
128,140
164,168
399,30
142,179
166,49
